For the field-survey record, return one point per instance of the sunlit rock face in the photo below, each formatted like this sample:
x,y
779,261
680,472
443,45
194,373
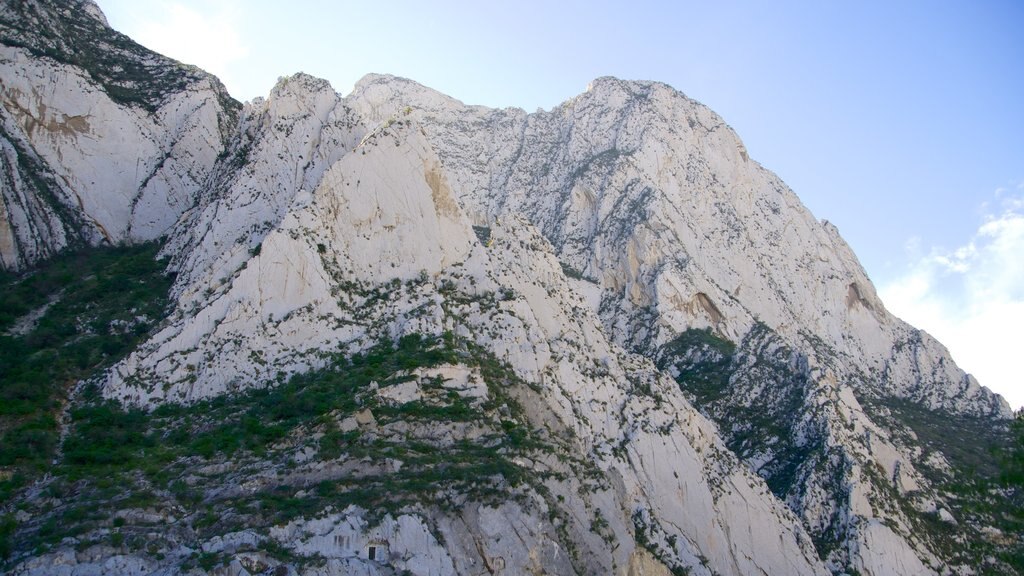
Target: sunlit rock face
x,y
715,379
653,199
103,141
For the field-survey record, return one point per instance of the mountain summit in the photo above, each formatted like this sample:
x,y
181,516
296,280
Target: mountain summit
x,y
399,334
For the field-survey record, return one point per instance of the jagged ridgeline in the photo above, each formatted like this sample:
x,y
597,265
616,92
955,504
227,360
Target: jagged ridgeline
x,y
390,333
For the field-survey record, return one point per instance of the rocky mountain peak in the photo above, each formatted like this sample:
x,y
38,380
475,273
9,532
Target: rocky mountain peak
x,y
77,33
115,138
93,9
382,96
409,335
610,88
300,83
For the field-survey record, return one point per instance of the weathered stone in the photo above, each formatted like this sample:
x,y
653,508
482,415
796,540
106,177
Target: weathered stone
x,y
618,222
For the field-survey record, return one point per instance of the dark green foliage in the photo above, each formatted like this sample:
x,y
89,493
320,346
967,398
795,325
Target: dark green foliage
x,y
1011,457
210,560
600,163
256,419
702,361
7,526
571,272
117,459
966,442
104,434
756,393
516,433
29,440
722,381
641,532
983,487
99,304
1010,482
483,233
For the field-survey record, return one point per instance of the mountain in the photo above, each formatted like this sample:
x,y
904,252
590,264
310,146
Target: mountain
x,y
391,333
102,140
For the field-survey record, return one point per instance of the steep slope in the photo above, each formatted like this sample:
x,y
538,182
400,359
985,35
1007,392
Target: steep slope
x,y
611,453
637,165
651,195
412,335
282,148
381,247
103,140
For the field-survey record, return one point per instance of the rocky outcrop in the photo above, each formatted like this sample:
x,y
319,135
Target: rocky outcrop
x,y
112,142
653,197
282,148
706,377
382,247
34,223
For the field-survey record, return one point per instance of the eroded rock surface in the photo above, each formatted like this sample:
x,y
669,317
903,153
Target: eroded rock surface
x,y
700,375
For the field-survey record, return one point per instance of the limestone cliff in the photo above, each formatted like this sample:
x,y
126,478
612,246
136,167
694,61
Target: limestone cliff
x,y
407,334
104,141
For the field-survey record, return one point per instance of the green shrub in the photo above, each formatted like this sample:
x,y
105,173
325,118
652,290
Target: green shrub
x,y
7,527
91,297
105,434
118,459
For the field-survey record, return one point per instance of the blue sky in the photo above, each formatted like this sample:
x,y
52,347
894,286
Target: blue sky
x,y
900,122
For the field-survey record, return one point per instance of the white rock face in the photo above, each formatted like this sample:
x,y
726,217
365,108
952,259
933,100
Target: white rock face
x,y
607,232
653,195
383,218
403,543
110,171
597,390
654,198
387,214
284,145
382,213
31,229
74,126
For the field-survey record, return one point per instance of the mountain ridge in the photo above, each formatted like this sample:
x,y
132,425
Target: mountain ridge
x,y
63,67
685,351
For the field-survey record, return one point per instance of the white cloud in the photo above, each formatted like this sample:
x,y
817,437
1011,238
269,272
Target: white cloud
x,y
972,299
209,38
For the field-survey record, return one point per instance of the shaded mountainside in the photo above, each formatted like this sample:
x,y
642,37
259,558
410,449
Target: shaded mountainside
x,y
390,333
